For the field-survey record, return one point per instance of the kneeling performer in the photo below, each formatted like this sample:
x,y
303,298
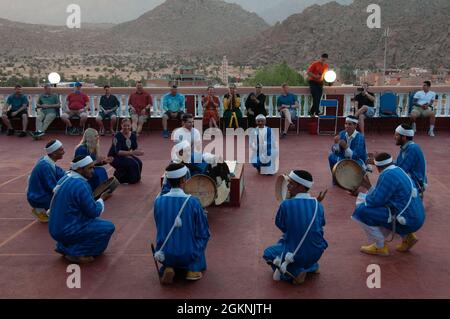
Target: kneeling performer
x,y
301,219
182,229
393,205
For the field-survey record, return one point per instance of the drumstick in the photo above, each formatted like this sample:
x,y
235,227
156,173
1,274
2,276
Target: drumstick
x,y
287,272
153,255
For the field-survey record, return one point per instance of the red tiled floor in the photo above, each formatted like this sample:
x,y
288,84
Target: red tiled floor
x,y
29,268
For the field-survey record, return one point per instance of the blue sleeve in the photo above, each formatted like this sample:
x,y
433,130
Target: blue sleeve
x,y
359,149
59,173
183,103
280,219
201,226
279,101
165,105
380,195
48,178
89,207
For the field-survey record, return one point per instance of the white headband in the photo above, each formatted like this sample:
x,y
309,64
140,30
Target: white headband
x,y
400,130
260,117
54,147
80,164
300,180
179,173
385,162
349,119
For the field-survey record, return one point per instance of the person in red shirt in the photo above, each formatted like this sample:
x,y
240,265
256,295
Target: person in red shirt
x,y
140,103
77,103
316,73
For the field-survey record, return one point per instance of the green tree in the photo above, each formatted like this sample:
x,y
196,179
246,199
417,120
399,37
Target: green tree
x,y
276,75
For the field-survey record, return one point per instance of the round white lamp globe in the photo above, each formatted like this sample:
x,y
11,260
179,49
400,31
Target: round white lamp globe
x,y
330,76
54,78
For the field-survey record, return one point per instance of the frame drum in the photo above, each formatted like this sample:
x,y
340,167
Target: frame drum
x,y
110,185
281,189
202,187
348,174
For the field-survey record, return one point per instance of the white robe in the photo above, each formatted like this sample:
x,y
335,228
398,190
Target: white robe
x,y
263,148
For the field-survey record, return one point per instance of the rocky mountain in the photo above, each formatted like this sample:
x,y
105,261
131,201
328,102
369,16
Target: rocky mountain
x,y
419,36
187,24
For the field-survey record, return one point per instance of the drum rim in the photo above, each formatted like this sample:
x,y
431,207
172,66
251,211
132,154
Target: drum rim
x,y
213,183
350,161
284,178
112,180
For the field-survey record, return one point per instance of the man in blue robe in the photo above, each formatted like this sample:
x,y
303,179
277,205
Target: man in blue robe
x,y
301,220
349,144
392,206
74,215
411,158
43,179
182,229
264,147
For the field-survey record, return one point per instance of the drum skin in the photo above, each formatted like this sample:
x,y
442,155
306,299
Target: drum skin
x,y
202,187
281,190
348,174
111,184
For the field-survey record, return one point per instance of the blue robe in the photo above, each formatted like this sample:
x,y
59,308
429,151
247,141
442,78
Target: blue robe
x,y
389,197
74,221
128,168
293,218
43,179
412,161
357,150
100,175
186,247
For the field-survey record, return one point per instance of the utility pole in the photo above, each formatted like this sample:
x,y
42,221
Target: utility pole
x,y
386,36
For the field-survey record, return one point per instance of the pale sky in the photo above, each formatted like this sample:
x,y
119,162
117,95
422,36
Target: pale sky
x,y
53,12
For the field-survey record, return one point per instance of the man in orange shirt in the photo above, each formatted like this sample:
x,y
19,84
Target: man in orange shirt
x,y
316,73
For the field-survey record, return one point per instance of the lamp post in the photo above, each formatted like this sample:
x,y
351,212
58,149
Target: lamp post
x,y
54,78
330,77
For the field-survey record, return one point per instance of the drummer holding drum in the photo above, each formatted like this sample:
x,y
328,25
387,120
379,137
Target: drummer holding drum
x,y
349,144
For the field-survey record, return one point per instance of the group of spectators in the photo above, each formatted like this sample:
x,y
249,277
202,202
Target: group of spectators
x,y
174,106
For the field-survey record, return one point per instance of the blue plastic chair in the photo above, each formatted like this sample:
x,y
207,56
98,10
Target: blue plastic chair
x,y
388,105
330,111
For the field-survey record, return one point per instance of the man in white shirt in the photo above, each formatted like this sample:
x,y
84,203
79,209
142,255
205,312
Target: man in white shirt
x,y
190,134
423,103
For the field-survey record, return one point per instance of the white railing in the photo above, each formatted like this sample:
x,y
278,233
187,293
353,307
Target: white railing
x,y
441,106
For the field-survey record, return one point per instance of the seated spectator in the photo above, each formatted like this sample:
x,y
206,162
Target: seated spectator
x,y
140,103
48,106
90,146
124,153
255,105
232,114
16,107
211,105
287,104
423,107
109,104
365,105
77,103
174,106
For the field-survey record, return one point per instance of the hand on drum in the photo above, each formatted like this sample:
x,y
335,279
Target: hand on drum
x,y
371,158
343,144
336,139
321,196
366,182
109,160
